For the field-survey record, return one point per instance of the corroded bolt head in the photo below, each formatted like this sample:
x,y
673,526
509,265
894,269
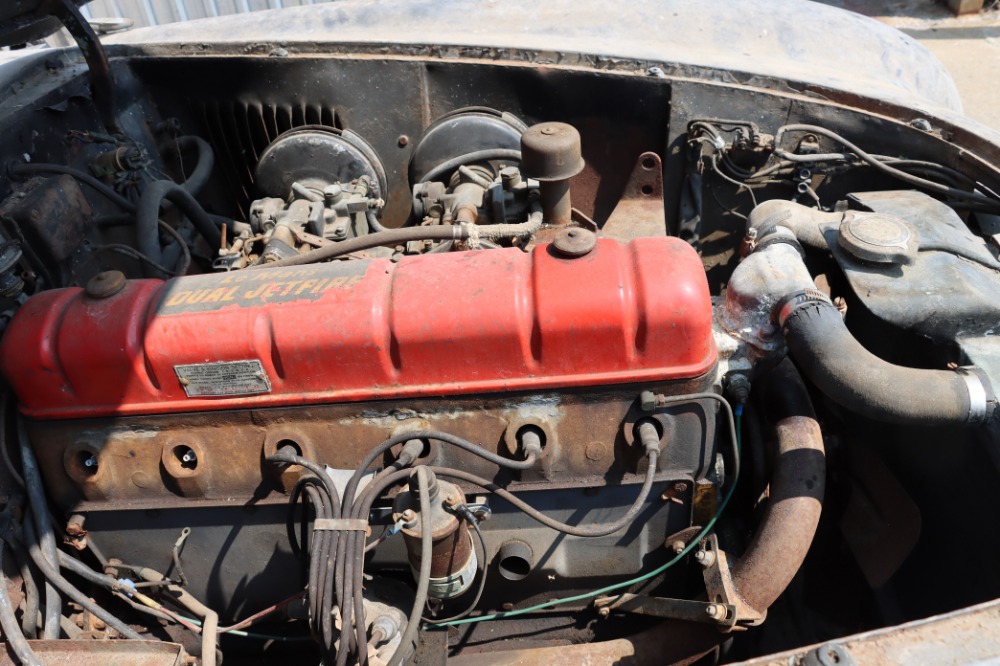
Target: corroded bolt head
x,y
677,546
409,516
604,611
680,486
716,611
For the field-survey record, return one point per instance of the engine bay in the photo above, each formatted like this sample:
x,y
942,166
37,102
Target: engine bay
x,y
389,358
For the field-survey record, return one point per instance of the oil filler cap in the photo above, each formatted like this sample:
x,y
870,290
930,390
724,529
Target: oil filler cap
x,y
105,285
878,238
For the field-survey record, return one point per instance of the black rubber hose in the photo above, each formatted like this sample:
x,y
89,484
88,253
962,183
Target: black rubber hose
x,y
204,161
147,216
37,169
832,359
368,241
374,226
11,631
52,574
39,509
471,158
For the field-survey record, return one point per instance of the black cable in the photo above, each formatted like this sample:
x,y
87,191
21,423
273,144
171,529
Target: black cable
x,y
322,494
12,632
527,463
39,509
424,577
39,168
29,619
471,158
52,574
591,531
955,193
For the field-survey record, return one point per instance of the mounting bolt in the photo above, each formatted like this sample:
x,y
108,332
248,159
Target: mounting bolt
x,y
604,611
680,486
738,387
705,558
716,611
408,516
647,401
677,546
90,462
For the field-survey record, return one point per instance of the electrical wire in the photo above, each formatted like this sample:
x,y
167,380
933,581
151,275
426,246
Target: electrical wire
x,y
47,550
888,169
423,578
735,421
8,621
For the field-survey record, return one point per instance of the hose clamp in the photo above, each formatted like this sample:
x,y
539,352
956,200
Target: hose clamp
x,y
982,400
797,300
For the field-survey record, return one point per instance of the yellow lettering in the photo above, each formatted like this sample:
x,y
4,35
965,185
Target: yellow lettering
x,y
230,293
254,293
177,298
215,295
306,284
198,296
288,288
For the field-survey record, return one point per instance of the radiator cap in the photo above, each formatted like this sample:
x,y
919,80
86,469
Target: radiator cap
x,y
878,238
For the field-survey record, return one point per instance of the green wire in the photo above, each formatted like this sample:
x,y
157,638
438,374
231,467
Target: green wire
x,y
738,413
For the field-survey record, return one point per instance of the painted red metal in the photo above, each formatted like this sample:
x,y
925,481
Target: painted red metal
x,y
432,325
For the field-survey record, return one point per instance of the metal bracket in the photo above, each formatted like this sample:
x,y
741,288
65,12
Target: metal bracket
x,y
720,587
721,615
640,211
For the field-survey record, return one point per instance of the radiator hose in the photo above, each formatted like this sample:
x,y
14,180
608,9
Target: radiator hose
x,y
773,303
849,374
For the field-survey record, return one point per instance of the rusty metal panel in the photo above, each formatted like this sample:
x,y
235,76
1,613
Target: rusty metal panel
x,y
158,12
96,653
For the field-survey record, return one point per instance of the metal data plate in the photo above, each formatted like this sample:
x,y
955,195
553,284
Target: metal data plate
x,y
223,379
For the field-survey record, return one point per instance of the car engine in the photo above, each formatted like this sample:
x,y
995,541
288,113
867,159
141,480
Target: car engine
x,y
379,357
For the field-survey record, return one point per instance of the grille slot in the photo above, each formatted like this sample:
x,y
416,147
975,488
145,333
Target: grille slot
x,y
239,131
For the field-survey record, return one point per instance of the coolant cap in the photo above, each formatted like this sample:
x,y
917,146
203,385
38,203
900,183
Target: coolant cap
x,y
878,238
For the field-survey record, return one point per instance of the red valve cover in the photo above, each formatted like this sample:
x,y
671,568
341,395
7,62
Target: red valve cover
x,y
459,323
